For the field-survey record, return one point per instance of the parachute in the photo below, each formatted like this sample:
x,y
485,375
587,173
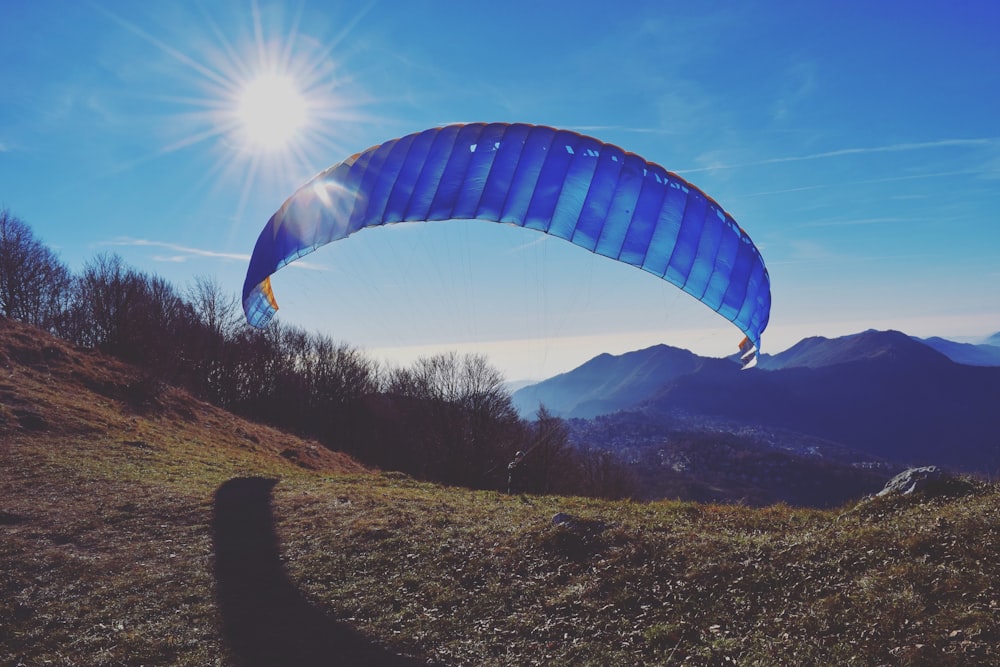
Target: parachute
x,y
592,194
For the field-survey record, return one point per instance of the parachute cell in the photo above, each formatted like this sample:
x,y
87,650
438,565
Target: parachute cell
x,y
572,186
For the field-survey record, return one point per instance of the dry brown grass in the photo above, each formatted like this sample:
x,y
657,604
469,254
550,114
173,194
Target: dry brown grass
x,y
106,484
106,515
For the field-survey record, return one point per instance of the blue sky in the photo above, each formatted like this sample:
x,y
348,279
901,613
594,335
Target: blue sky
x,y
858,144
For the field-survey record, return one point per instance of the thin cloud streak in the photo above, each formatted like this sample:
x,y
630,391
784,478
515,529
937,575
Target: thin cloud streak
x,y
892,148
840,258
850,222
621,128
186,252
871,181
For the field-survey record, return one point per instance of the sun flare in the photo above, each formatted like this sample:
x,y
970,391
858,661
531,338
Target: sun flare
x,y
269,99
271,110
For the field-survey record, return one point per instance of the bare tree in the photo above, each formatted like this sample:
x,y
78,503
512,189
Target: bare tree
x,y
604,475
103,293
136,317
217,310
549,458
34,284
468,415
209,339
252,368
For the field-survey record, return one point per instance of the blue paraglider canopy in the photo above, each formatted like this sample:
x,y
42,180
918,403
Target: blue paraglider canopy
x,y
558,182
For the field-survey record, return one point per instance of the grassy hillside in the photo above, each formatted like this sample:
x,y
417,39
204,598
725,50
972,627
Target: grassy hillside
x,y
123,541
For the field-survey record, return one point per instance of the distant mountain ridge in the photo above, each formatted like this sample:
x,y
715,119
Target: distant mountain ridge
x,y
984,354
608,383
879,392
817,352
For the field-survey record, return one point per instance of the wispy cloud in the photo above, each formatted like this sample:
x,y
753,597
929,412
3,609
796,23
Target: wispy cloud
x,y
587,129
184,253
850,222
802,81
891,148
867,181
540,239
590,129
802,251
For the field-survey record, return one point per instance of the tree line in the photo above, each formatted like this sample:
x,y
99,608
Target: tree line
x,y
447,418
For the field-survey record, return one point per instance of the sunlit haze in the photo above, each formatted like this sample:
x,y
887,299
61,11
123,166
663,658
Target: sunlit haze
x,y
857,143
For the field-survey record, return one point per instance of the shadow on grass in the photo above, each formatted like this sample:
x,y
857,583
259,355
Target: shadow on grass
x,y
266,620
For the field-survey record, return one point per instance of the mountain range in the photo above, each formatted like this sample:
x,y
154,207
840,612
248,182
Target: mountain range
x,y
883,396
985,354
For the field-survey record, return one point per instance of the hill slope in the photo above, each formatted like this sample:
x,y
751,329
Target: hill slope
x,y
120,517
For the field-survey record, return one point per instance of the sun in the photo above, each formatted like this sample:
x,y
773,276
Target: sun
x,y
271,111
266,96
